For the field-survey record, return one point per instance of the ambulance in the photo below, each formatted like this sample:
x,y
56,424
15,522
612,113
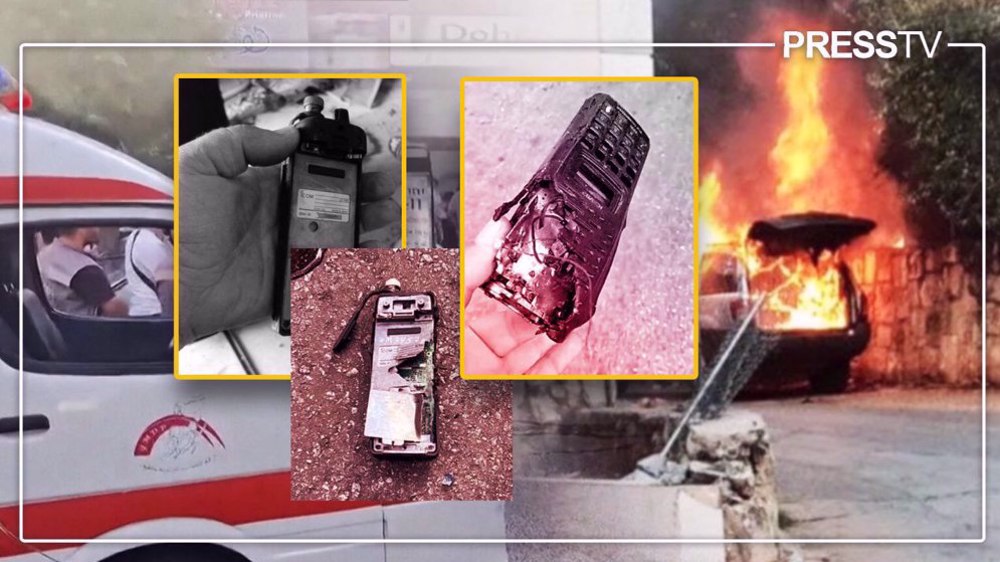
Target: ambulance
x,y
115,447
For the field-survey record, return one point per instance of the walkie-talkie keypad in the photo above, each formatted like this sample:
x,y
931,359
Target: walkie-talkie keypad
x,y
617,142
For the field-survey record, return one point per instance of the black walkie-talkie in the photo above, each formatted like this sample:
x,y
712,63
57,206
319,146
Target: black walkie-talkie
x,y
318,201
569,218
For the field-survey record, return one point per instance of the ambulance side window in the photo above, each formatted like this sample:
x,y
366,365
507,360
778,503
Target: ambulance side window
x,y
9,301
98,296
109,271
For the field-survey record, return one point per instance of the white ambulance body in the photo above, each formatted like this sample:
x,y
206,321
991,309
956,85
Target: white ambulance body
x,y
114,446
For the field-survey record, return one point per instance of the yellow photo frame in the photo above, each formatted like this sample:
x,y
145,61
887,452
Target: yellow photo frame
x,y
462,357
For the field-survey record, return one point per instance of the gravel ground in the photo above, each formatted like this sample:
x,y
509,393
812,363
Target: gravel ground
x,y
644,319
330,456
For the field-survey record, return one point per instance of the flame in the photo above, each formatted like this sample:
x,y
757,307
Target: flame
x,y
805,295
802,294
714,231
803,147
822,158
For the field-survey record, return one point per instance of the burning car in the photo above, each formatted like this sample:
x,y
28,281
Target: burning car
x,y
813,308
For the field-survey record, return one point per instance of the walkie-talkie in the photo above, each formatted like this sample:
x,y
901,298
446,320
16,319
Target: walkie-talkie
x,y
318,201
569,218
401,416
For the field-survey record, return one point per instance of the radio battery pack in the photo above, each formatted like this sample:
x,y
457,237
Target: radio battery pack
x,y
318,201
569,218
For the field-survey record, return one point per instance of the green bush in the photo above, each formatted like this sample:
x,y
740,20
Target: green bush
x,y
932,111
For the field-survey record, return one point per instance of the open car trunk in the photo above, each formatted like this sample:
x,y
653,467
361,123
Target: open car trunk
x,y
812,232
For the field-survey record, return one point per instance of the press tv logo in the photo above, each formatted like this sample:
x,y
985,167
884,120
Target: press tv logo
x,y
861,44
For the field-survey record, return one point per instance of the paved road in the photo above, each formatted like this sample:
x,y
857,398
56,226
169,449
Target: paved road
x,y
886,464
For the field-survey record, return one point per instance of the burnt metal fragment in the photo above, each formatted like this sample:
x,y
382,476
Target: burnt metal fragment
x,y
569,218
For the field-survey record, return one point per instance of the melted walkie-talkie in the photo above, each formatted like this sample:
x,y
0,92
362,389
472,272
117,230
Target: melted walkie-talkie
x,y
569,218
319,193
401,416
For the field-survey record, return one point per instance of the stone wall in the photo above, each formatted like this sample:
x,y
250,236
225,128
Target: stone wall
x,y
593,447
734,452
541,402
604,442
925,318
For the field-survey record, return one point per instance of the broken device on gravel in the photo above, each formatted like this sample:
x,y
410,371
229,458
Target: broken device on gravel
x,y
400,420
318,201
569,219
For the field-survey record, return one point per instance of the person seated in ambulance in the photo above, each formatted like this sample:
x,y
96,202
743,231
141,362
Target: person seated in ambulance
x,y
73,280
149,268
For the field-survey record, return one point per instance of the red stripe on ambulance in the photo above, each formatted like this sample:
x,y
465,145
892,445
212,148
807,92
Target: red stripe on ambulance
x,y
234,501
58,190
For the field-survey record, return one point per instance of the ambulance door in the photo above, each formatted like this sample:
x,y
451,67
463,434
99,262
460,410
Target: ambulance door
x,y
116,419
8,368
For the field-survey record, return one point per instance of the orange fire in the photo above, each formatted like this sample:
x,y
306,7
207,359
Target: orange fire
x,y
822,158
715,231
802,295
807,296
804,145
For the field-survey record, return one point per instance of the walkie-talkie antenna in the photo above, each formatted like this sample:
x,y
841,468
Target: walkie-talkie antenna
x,y
391,286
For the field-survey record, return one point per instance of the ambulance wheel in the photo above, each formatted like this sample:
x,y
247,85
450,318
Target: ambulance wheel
x,y
178,553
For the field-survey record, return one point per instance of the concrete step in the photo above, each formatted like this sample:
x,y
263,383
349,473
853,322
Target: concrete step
x,y
563,508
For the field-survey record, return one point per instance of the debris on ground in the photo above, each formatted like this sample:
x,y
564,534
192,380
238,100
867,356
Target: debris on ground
x,y
734,453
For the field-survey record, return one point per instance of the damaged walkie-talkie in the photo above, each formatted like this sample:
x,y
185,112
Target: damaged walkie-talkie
x,y
318,201
400,420
569,218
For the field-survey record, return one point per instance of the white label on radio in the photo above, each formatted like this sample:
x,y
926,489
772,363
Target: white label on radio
x,y
323,205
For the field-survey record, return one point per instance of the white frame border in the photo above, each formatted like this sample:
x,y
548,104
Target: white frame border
x,y
589,45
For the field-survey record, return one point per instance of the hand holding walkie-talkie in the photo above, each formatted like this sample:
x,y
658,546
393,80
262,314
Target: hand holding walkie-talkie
x,y
229,183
